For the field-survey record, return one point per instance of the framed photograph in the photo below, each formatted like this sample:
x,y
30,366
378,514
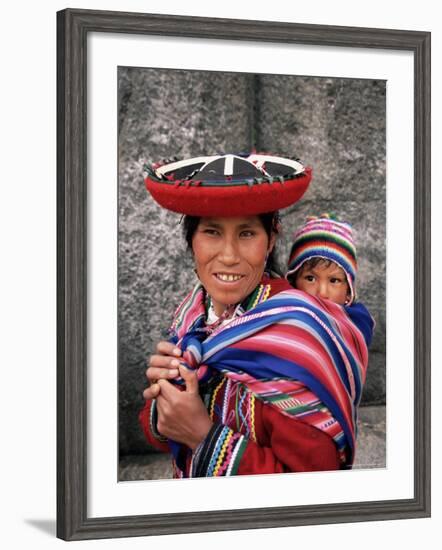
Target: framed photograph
x,y
134,89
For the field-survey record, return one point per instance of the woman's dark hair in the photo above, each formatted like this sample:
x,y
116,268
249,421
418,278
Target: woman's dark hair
x,y
270,222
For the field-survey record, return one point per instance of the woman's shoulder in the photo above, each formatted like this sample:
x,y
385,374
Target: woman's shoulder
x,y
277,285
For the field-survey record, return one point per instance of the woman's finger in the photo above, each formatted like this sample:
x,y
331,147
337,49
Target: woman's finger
x,y
151,392
190,377
164,361
168,391
154,373
167,348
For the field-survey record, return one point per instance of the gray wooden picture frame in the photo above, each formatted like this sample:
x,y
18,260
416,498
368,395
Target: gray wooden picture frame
x,y
73,27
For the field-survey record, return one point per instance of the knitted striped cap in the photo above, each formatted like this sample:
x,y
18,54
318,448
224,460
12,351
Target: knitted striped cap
x,y
327,238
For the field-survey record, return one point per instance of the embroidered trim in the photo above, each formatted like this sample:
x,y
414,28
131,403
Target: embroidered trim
x,y
215,392
219,453
261,295
153,418
252,416
226,401
235,459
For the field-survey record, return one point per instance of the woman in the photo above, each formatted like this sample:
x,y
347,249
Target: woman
x,y
258,377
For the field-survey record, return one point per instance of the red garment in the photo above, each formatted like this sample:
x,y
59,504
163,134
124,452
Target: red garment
x,y
248,437
272,443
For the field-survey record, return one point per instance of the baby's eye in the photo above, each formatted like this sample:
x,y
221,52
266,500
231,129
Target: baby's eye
x,y
335,280
309,278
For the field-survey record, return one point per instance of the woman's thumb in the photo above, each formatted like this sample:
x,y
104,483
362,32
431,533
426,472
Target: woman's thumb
x,y
190,377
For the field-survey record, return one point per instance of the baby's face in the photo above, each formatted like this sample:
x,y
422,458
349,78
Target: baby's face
x,y
325,279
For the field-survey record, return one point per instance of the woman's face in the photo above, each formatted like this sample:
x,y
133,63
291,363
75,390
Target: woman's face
x,y
230,256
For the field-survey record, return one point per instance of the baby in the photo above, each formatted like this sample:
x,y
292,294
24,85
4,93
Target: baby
x,y
322,260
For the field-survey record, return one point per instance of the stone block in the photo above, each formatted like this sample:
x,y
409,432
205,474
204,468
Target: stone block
x,y
335,125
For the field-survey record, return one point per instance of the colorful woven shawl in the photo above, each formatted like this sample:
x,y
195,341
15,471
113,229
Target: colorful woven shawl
x,y
295,352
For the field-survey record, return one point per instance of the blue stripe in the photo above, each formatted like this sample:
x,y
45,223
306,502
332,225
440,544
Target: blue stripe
x,y
235,334
360,316
261,366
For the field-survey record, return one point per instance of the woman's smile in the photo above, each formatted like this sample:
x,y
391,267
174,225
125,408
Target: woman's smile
x,y
228,277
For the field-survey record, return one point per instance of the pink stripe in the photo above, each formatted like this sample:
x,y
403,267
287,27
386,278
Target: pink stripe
x,y
315,360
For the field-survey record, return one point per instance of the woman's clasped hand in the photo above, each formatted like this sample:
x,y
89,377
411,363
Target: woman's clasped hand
x,y
182,415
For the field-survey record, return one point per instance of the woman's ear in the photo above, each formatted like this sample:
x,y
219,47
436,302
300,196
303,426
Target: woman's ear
x,y
272,242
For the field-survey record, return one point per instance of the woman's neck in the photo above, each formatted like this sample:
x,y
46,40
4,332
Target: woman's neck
x,y
219,308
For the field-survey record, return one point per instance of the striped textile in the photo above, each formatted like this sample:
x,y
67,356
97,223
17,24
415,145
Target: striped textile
x,y
293,351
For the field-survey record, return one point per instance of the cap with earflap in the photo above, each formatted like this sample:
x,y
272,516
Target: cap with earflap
x,y
328,238
228,185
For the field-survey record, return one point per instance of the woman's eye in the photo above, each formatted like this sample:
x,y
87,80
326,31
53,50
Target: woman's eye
x,y
209,231
247,233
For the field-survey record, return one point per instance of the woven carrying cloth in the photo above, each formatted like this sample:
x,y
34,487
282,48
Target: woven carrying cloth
x,y
290,339
227,185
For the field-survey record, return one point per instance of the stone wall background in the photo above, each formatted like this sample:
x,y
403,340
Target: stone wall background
x,y
335,125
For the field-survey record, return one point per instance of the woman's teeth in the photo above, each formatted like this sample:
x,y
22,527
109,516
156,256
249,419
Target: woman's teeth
x,y
228,277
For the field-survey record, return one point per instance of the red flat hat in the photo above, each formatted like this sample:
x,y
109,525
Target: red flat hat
x,y
228,185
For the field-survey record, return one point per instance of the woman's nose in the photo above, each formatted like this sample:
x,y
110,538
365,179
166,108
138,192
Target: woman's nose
x,y
229,253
